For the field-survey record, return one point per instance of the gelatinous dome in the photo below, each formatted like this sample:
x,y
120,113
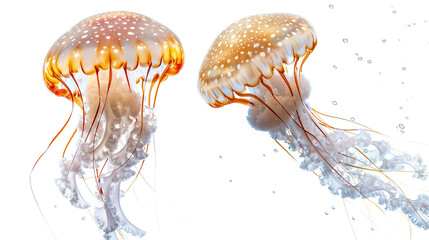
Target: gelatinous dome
x,y
251,48
114,39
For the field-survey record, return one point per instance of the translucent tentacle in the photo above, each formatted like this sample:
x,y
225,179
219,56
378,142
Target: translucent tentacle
x,y
398,162
116,135
110,236
113,217
105,220
355,166
124,223
70,170
105,140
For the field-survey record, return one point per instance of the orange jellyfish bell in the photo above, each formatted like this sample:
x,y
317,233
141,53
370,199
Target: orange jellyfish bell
x,y
112,40
257,61
248,54
111,65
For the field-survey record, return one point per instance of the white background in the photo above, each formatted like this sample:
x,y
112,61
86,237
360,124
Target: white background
x,y
251,191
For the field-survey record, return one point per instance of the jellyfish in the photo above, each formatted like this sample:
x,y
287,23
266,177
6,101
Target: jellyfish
x,y
110,66
257,61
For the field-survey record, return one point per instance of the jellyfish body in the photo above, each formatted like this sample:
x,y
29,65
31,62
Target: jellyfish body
x,y
111,66
257,61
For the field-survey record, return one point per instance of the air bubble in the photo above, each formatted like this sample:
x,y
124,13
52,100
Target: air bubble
x,y
404,68
369,61
334,103
401,126
274,192
220,156
352,119
326,213
383,41
275,150
331,6
345,40
83,218
365,150
333,207
353,218
334,66
360,58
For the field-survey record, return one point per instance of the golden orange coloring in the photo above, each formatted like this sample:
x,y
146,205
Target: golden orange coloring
x,y
117,40
249,49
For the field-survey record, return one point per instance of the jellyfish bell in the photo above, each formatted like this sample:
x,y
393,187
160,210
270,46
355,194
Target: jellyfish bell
x,y
110,65
117,41
257,55
257,61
